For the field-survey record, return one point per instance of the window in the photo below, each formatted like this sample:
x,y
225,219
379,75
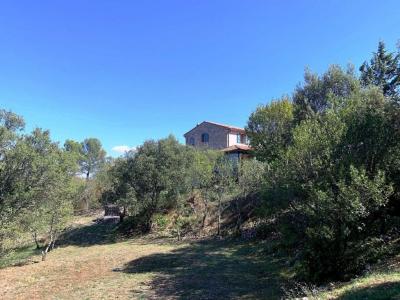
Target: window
x,y
204,138
238,138
191,141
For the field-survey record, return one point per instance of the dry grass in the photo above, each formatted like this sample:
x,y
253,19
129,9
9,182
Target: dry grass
x,y
78,272
92,263
89,264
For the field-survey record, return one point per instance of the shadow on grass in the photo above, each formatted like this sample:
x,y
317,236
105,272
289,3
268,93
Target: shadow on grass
x,y
388,290
19,257
212,270
89,235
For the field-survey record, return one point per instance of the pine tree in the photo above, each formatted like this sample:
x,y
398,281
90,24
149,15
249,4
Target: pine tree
x,y
383,70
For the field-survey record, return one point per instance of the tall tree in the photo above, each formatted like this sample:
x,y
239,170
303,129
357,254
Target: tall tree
x,y
89,154
50,199
223,179
90,157
269,129
157,174
34,179
93,155
383,70
312,98
11,121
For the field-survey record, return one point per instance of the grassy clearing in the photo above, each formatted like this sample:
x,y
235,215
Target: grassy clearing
x,y
381,283
91,264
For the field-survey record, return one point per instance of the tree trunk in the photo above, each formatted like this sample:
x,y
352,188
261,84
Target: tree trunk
x,y
239,214
179,233
54,240
152,209
122,215
219,216
203,223
148,222
47,249
34,236
50,245
86,198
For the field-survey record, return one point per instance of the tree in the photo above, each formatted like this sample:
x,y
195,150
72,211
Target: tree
x,y
11,121
92,156
222,184
330,191
269,129
201,176
114,181
383,71
35,176
312,98
157,174
250,184
74,148
89,154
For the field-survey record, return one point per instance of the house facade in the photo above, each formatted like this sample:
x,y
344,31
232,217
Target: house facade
x,y
215,136
230,139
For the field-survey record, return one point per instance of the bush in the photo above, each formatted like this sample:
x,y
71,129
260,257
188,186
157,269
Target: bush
x,y
331,192
160,222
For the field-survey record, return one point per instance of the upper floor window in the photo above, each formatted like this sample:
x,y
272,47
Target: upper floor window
x,y
238,138
204,138
191,141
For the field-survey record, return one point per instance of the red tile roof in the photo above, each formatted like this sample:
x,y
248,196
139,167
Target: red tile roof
x,y
237,147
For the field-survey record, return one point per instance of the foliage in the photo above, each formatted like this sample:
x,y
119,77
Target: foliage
x,y
160,221
251,176
223,182
269,129
160,176
331,192
331,182
89,154
150,180
383,71
90,157
312,98
35,190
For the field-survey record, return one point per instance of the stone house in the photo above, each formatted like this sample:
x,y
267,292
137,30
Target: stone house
x,y
230,139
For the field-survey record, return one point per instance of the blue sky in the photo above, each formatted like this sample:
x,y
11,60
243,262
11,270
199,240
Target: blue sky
x,y
127,71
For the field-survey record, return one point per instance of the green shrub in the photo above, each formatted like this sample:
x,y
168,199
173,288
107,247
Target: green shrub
x,y
160,222
331,190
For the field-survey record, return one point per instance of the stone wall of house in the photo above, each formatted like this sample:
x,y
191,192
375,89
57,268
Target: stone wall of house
x,y
218,136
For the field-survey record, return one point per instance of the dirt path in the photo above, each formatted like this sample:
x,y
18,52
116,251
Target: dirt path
x,y
91,268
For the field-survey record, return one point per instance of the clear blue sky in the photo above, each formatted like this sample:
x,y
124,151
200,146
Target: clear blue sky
x,y
126,71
